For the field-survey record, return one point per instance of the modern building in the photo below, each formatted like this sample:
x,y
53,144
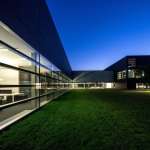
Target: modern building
x,y
33,65
34,68
93,79
131,72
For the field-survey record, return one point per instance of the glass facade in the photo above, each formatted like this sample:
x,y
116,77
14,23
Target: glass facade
x,y
121,75
136,73
27,79
93,85
132,73
22,77
142,85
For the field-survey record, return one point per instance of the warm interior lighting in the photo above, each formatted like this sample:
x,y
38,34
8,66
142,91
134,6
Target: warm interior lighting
x,y
1,79
11,38
11,58
109,85
9,77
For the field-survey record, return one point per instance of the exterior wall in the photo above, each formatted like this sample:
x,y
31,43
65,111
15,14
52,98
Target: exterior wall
x,y
33,63
27,79
94,76
137,70
131,84
32,22
93,79
120,85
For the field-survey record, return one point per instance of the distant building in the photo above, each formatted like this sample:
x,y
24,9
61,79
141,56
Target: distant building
x,y
131,72
93,79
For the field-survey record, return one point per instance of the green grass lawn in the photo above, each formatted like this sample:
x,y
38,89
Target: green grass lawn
x,y
85,120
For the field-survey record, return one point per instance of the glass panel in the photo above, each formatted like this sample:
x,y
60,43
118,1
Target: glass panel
x,y
26,78
17,85
16,77
20,108
12,39
9,76
45,62
139,73
14,94
131,73
121,75
10,57
143,85
136,73
44,71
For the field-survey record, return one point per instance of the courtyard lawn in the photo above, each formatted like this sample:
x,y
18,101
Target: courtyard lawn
x,y
85,120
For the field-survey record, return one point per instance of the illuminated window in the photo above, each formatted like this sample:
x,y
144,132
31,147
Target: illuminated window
x,y
131,73
12,39
24,71
10,57
121,74
139,74
45,62
135,73
109,85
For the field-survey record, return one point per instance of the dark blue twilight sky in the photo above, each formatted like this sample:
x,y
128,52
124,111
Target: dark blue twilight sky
x,y
96,33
